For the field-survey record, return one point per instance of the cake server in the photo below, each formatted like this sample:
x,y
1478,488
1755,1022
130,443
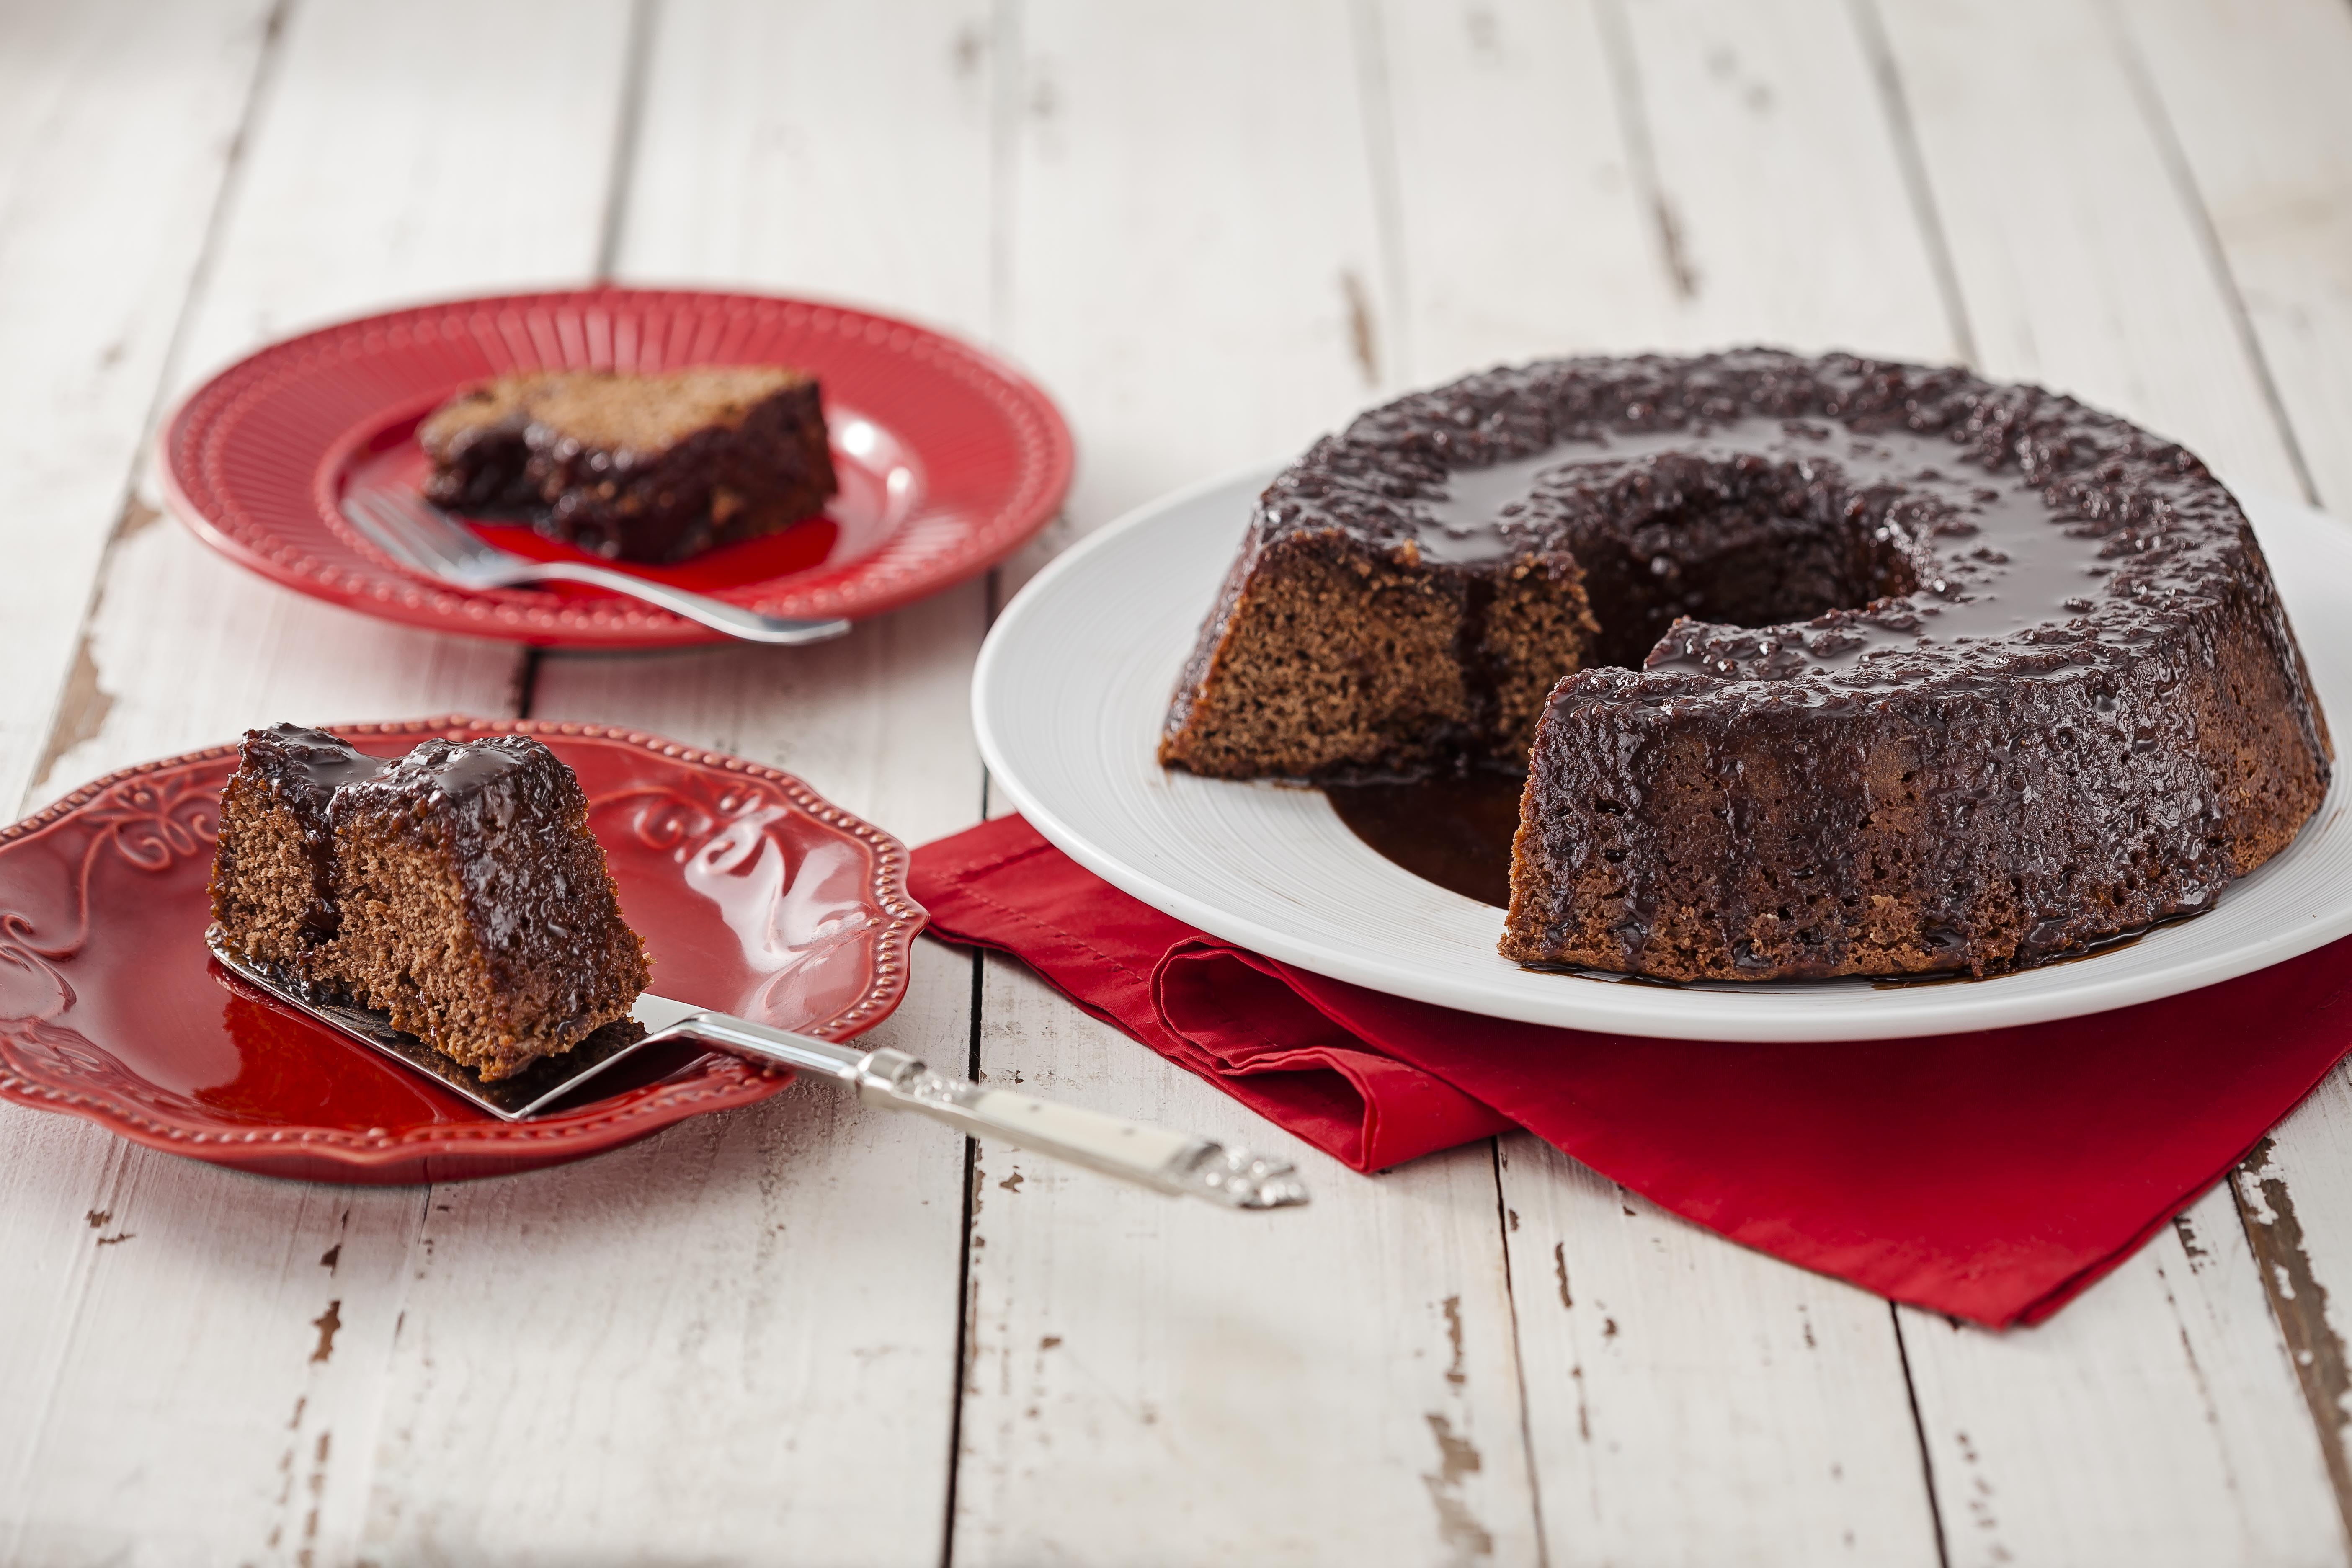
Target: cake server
x,y
1174,1163
426,539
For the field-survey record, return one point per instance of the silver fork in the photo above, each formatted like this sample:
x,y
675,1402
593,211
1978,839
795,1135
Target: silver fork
x,y
426,539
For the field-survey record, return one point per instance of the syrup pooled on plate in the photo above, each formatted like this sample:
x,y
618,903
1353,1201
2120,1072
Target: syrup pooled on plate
x,y
1455,829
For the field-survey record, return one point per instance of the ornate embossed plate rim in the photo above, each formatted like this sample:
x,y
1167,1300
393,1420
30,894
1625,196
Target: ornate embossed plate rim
x,y
296,540
716,1082
1076,672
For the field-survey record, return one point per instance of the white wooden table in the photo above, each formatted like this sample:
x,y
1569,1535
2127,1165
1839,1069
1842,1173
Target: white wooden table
x,y
1213,229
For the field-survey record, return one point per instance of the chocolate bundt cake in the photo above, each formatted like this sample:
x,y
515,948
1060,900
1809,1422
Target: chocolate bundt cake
x,y
458,890
1851,668
635,467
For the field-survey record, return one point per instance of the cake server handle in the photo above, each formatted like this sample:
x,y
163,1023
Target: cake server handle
x,y
1178,1163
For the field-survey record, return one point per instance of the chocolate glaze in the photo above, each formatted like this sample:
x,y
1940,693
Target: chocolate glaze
x,y
472,798
302,769
1832,525
1456,830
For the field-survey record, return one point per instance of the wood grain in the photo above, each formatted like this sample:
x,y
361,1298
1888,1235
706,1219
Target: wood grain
x,y
2250,100
2146,1424
1147,1381
1779,199
1690,1401
1680,1404
1213,231
2150,1421
246,1323
1193,251
788,1277
116,129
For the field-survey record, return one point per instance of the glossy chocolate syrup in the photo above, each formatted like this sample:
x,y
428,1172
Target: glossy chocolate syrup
x,y
1454,830
498,807
302,769
1980,552
1833,527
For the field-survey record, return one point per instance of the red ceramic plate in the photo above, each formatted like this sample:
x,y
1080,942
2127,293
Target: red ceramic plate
x,y
752,894
949,460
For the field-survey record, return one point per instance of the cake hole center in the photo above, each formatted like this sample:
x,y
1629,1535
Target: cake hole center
x,y
1728,537
1740,543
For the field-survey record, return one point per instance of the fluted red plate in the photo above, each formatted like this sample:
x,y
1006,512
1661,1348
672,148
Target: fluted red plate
x,y
753,896
948,459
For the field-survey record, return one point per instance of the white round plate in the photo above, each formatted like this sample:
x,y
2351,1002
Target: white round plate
x,y
1072,682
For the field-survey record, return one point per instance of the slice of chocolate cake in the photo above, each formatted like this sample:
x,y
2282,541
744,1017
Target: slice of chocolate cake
x,y
476,908
635,467
273,868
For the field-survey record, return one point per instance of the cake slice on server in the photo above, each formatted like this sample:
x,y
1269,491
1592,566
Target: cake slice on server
x,y
458,890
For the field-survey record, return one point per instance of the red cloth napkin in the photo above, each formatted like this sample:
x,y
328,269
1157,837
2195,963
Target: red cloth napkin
x,y
1991,1175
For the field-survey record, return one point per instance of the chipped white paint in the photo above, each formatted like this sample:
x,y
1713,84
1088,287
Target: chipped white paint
x,y
791,1272
1778,191
2085,271
1141,1384
202,1331
788,1275
115,123
1682,1410
2155,1421
1492,281
2088,271
2251,96
1671,1376
1149,1380
1193,266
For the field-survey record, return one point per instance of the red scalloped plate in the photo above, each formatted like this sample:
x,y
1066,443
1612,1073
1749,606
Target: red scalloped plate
x,y
753,893
948,459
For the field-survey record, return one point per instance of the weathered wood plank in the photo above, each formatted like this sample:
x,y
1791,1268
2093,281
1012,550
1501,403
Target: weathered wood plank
x,y
806,148
2082,269
2250,97
2251,100
732,1341
747,1299
237,1327
1148,1381
1690,1401
1678,173
1525,229
1777,193
116,125
1194,254
2150,1422
796,1300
